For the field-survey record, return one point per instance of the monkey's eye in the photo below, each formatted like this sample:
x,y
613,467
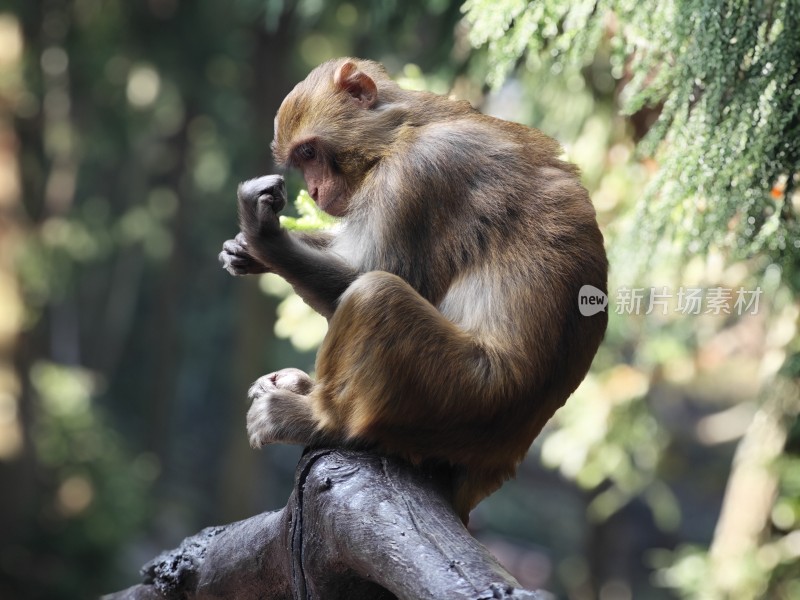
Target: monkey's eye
x,y
306,152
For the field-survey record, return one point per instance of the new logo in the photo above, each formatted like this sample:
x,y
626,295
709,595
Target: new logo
x,y
591,300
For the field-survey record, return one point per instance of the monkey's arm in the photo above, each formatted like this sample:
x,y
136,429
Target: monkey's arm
x,y
237,260
318,276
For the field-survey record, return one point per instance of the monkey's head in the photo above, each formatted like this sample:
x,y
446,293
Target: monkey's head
x,y
334,126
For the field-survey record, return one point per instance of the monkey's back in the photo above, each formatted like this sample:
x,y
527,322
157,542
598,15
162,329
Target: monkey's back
x,y
486,222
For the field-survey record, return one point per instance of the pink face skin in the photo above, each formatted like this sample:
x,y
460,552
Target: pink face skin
x,y
325,187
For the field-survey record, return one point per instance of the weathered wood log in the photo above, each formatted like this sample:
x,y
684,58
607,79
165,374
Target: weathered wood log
x,y
357,526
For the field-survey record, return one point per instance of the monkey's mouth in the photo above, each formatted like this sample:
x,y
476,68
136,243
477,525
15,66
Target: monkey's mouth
x,y
331,203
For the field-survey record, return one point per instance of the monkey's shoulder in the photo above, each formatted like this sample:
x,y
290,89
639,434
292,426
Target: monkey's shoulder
x,y
473,142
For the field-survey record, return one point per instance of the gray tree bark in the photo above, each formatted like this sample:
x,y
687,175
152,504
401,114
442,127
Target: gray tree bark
x,y
357,526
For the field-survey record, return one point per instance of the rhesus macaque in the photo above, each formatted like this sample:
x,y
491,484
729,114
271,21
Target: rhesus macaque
x,y
450,285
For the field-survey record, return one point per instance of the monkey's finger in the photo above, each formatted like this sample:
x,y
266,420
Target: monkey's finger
x,y
260,428
235,248
262,386
234,271
227,259
241,265
267,209
256,441
293,380
278,201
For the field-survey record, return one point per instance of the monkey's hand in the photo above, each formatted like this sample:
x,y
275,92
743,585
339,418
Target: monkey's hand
x,y
318,276
236,260
260,201
281,409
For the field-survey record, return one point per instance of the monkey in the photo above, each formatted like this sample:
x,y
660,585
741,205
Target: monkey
x,y
450,283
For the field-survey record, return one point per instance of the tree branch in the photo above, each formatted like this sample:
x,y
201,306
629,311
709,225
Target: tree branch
x,y
356,526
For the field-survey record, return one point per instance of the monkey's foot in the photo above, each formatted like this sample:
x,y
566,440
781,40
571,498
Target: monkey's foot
x,y
236,260
280,410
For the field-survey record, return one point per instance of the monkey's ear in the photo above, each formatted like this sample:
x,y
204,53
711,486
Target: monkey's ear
x,y
358,84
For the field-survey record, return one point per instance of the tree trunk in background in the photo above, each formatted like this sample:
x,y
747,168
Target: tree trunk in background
x,y
255,316
241,469
23,207
166,324
752,485
17,469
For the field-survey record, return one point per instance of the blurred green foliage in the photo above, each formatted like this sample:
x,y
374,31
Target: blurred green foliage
x,y
95,497
309,216
724,76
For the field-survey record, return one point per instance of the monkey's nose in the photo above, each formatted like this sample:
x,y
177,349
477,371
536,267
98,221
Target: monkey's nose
x,y
270,185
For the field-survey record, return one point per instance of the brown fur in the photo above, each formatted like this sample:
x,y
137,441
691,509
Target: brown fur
x,y
451,286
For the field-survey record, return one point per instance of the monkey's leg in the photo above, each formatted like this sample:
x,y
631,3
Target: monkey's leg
x,y
281,410
394,373
392,363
